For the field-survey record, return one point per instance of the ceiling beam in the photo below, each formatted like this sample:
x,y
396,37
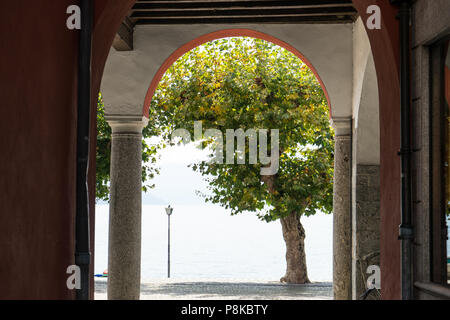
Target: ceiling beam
x,y
243,12
123,40
252,19
211,4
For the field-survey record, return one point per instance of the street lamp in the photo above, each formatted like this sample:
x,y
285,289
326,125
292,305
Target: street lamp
x,y
169,213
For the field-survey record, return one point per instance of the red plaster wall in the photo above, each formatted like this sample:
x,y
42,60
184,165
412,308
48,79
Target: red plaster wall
x,y
38,81
385,48
38,88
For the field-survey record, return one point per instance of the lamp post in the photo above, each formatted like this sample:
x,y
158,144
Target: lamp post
x,y
169,213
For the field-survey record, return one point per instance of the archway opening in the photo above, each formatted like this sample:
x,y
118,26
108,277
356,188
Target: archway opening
x,y
318,141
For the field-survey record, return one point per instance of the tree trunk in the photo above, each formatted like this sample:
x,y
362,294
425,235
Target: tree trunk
x,y
294,237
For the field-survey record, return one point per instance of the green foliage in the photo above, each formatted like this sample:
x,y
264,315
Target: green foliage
x,y
253,84
103,155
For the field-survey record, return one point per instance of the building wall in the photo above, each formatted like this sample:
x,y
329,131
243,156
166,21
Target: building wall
x,y
38,88
38,79
431,22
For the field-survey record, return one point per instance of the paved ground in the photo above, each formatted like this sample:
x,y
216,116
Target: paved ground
x,y
207,290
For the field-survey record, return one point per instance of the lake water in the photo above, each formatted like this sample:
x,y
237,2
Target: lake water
x,y
207,243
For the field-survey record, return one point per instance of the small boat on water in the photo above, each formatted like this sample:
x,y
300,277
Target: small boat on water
x,y
103,275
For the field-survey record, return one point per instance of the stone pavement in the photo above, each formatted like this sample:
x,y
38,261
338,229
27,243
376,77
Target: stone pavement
x,y
225,290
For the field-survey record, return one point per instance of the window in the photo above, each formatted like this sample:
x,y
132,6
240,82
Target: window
x,y
447,174
440,162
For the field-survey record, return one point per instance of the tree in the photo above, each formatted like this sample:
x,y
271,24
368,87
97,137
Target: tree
x,y
103,155
249,83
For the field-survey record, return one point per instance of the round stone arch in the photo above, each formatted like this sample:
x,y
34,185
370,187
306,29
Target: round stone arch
x,y
226,33
385,48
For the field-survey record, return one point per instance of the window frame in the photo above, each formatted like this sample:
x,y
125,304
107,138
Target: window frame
x,y
439,137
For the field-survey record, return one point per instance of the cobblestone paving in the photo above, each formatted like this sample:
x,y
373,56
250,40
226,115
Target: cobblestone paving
x,y
221,290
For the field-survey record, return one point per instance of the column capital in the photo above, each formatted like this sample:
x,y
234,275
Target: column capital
x,y
342,126
126,123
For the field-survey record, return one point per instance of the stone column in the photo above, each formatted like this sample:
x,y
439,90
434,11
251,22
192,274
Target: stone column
x,y
124,252
342,232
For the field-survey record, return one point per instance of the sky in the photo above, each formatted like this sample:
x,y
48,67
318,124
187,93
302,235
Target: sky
x,y
176,183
